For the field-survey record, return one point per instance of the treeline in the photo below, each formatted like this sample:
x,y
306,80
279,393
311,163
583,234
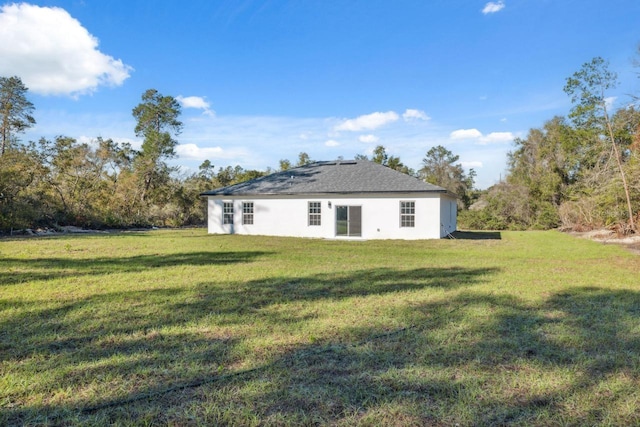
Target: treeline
x,y
103,184
579,173
106,184
100,185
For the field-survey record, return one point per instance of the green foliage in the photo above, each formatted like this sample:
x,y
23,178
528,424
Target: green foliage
x,y
506,207
234,175
579,175
303,159
15,111
587,89
284,165
440,167
21,172
381,157
541,168
157,121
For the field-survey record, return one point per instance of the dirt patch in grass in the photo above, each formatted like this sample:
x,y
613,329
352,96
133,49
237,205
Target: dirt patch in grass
x,y
605,236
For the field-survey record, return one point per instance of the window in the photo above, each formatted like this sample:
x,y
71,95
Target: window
x,y
247,213
227,213
407,214
315,213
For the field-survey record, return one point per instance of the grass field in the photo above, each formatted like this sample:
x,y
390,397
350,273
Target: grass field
x,y
182,328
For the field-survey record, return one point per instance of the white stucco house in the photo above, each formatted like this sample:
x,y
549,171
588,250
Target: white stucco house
x,y
340,199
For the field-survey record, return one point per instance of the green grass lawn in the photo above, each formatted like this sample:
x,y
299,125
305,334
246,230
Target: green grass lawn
x,y
182,328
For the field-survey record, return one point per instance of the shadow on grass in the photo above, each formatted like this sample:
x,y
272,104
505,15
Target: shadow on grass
x,y
58,329
477,235
472,359
574,358
154,340
250,296
15,270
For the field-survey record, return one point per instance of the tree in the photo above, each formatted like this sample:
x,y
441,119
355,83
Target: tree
x,y
207,170
15,110
21,201
542,167
588,88
157,121
284,165
303,159
440,167
381,157
82,180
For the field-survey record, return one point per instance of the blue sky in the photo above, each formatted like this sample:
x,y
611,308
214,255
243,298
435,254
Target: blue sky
x,y
261,81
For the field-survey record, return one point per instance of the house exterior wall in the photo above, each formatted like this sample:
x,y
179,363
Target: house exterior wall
x,y
289,216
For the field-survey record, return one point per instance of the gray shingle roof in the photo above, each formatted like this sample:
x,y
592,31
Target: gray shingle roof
x,y
337,177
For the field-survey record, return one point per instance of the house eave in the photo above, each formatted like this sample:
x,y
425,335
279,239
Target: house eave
x,y
327,193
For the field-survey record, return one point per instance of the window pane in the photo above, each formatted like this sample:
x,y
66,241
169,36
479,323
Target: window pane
x,y
247,213
315,211
227,213
355,220
407,214
342,227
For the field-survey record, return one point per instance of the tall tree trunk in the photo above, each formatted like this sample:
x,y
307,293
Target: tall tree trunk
x,y
620,168
4,138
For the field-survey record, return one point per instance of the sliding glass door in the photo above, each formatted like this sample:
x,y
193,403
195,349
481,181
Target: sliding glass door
x,y
349,221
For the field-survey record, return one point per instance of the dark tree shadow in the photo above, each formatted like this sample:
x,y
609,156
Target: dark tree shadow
x,y
53,268
591,332
75,343
477,235
447,365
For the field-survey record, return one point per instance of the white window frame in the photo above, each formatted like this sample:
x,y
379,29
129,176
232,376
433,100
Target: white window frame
x,y
407,214
227,213
247,213
314,217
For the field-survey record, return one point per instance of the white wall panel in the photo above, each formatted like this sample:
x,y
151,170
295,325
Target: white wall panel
x,y
288,216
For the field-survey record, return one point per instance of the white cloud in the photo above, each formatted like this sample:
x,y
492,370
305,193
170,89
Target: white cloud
x,y
192,102
83,139
609,101
53,53
368,121
369,139
493,7
332,143
465,134
497,137
492,138
471,165
411,114
193,152
196,102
